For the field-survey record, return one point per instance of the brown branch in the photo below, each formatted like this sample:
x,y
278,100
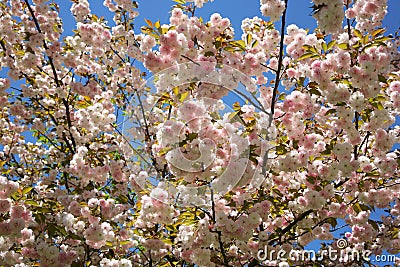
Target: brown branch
x,y
280,60
276,85
291,225
219,234
260,107
191,60
356,118
57,81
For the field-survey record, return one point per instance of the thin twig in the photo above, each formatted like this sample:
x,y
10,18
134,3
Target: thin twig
x,y
219,234
277,81
251,102
291,225
134,149
280,60
53,68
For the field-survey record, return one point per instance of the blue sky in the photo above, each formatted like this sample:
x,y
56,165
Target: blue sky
x,y
298,12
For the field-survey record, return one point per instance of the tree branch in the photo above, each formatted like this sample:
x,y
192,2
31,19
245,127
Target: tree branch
x,y
291,225
221,244
280,59
57,81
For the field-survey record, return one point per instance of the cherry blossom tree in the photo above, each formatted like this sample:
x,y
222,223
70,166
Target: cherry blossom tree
x,y
121,147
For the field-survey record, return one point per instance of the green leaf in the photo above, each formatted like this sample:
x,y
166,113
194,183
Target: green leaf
x,y
26,190
254,44
183,96
189,222
51,230
324,46
326,152
315,91
378,32
281,150
356,208
192,136
313,49
20,53
372,174
229,49
170,227
248,38
74,236
331,111
157,24
365,39
149,22
93,17
360,207
126,242
331,44
239,43
217,44
380,98
282,96
382,78
343,46
16,196
305,56
146,30
357,33
339,199
61,230
357,45
311,179
295,144
123,199
378,105
32,203
44,210
55,6
277,191
382,39
340,104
